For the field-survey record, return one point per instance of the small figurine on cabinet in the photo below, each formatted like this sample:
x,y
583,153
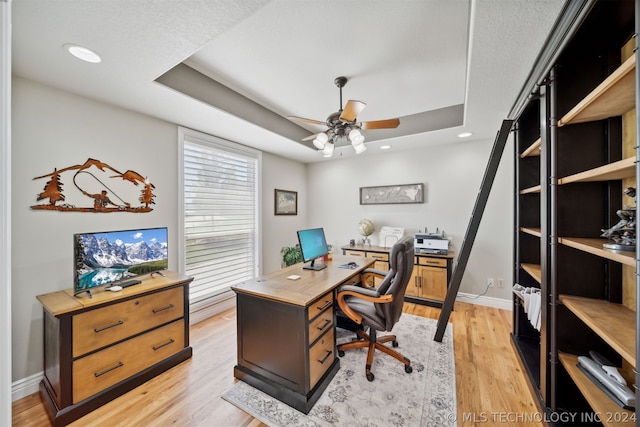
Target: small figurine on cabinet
x,y
623,234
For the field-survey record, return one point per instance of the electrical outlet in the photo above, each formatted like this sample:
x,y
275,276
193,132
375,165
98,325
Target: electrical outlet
x,y
490,282
501,283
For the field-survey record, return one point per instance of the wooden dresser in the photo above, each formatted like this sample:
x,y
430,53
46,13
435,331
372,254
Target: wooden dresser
x,y
98,348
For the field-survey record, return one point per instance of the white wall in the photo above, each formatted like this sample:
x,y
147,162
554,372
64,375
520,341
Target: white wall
x,y
452,175
5,212
280,230
52,128
55,129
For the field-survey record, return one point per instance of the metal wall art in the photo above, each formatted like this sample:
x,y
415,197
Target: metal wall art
x,y
392,194
286,202
98,184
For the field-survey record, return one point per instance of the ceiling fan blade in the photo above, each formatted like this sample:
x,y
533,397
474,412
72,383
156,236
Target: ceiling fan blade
x,y
302,119
310,137
351,110
381,124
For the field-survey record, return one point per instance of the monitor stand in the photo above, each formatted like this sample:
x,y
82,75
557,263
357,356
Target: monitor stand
x,y
312,266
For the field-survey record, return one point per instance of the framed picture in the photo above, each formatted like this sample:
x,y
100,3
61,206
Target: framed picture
x,y
392,194
286,202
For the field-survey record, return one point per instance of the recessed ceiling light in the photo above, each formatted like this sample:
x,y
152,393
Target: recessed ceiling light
x,y
464,134
385,147
83,53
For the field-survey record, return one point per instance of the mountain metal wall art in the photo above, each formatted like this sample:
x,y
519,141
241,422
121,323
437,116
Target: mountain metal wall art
x,y
98,187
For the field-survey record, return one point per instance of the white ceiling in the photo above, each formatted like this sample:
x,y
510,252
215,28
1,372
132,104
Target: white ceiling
x,y
413,59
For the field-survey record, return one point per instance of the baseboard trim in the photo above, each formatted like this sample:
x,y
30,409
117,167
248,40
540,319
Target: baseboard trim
x,y
201,311
503,304
26,386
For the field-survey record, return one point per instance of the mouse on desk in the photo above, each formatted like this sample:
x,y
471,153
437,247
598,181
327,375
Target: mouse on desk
x,y
115,288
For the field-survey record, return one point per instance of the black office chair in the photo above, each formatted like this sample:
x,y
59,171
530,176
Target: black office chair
x,y
379,309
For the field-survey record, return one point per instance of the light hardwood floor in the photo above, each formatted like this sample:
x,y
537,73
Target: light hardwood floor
x,y
491,387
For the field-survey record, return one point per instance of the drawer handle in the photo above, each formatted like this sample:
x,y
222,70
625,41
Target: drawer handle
x,y
158,347
325,305
327,322
119,365
113,325
158,310
324,359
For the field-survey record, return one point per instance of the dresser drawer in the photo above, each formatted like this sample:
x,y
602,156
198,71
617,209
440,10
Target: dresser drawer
x,y
320,324
98,371
321,356
320,305
99,328
435,262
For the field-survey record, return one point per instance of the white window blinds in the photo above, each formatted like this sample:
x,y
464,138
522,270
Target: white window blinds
x,y
220,214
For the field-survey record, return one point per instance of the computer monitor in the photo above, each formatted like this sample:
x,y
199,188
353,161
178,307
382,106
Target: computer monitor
x,y
313,245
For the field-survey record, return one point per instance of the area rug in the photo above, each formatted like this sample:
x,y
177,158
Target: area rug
x,y
425,397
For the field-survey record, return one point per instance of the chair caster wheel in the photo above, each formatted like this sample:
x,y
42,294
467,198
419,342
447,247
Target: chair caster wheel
x,y
340,353
394,343
408,369
370,376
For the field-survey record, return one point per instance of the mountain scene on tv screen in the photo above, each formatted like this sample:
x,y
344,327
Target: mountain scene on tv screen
x,y
105,261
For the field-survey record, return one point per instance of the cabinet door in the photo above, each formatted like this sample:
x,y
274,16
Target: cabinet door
x,y
412,288
433,282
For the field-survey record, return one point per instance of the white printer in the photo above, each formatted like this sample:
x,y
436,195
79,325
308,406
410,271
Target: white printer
x,y
431,243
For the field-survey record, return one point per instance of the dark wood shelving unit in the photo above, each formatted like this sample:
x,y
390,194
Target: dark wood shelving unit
x,y
576,150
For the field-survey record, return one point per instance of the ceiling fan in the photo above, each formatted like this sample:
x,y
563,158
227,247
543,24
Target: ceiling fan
x,y
344,124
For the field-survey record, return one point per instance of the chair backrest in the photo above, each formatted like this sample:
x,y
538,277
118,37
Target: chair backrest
x,y
396,281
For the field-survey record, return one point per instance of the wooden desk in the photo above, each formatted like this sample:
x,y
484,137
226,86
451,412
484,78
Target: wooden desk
x,y
286,339
429,281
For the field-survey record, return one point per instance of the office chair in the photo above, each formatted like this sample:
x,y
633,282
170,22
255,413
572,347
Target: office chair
x,y
379,309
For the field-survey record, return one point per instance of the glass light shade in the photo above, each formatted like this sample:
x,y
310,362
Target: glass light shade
x,y
356,137
83,53
359,148
328,149
320,140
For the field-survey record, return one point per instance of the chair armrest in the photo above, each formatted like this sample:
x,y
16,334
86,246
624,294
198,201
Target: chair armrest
x,y
374,271
366,294
368,276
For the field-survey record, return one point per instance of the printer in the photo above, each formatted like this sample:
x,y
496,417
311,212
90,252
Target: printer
x,y
431,243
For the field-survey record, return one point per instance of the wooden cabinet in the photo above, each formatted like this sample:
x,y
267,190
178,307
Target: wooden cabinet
x,y
101,347
576,151
430,277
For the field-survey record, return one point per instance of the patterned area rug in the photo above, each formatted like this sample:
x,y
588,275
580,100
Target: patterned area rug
x,y
425,397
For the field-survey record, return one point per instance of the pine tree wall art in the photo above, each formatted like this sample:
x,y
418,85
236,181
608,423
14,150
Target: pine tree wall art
x,y
97,187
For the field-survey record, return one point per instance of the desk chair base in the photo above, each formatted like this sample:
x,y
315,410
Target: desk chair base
x,y
371,342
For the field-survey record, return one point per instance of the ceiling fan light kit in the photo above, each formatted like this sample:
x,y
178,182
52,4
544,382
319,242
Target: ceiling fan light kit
x,y
344,124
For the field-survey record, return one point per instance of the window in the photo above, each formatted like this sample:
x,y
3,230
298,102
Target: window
x,y
220,213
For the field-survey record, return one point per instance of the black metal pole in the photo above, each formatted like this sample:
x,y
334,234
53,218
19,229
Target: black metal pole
x,y
472,229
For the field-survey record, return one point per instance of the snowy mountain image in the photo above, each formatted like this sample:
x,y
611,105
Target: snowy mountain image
x,y
102,258
100,252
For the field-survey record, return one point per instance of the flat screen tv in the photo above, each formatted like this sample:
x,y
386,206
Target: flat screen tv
x,y
313,245
110,258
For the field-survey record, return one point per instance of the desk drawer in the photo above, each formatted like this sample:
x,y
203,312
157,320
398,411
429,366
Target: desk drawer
x,y
320,305
434,262
354,253
104,326
98,371
378,256
321,356
320,324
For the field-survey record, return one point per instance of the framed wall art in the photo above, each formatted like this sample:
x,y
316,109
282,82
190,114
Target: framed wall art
x,y
286,202
392,194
